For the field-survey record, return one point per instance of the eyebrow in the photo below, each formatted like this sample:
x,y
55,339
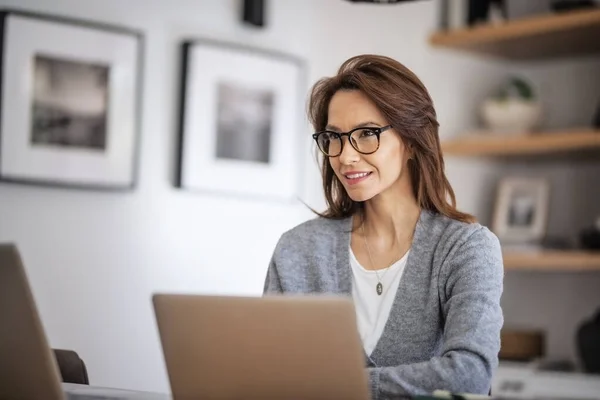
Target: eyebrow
x,y
361,125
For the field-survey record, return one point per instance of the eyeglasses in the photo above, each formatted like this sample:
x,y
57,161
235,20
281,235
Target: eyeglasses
x,y
365,140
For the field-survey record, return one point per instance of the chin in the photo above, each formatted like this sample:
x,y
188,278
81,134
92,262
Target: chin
x,y
360,195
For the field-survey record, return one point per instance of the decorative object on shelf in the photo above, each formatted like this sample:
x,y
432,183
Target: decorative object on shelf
x,y
514,109
497,12
482,12
521,345
69,102
457,14
521,210
571,5
590,237
596,122
519,9
486,11
588,344
239,121
478,12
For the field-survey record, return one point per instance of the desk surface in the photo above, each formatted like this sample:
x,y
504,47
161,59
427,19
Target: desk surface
x,y
85,392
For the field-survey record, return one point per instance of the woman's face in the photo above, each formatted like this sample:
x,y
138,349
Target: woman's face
x,y
365,176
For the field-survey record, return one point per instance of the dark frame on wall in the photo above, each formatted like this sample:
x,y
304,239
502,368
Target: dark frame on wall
x,y
69,109
214,91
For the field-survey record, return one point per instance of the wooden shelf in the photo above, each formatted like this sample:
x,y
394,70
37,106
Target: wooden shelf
x,y
553,260
561,142
567,34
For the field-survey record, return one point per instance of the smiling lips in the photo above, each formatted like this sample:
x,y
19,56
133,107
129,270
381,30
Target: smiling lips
x,y
355,177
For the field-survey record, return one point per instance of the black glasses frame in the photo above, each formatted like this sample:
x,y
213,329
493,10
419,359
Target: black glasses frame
x,y
377,131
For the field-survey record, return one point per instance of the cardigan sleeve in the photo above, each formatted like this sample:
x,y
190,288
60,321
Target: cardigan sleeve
x,y
272,284
471,280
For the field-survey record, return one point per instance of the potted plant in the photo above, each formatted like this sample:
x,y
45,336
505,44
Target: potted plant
x,y
514,109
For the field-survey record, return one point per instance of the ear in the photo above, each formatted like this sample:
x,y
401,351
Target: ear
x,y
408,152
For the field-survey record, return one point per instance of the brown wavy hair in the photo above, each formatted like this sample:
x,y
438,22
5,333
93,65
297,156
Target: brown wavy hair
x,y
405,102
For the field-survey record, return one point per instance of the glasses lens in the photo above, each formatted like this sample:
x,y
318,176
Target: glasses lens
x,y
330,143
365,140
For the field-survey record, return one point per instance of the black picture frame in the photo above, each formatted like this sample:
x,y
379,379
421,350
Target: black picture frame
x,y
189,106
126,178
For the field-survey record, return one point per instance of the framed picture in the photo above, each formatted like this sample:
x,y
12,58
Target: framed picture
x,y
239,121
521,211
69,101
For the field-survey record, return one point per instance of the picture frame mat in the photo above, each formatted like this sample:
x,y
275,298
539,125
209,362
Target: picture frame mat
x,y
24,36
208,63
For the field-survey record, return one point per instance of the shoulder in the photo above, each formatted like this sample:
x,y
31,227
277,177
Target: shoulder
x,y
315,231
318,226
453,234
304,255
468,249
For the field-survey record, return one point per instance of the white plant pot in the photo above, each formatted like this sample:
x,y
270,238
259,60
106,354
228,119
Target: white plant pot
x,y
512,116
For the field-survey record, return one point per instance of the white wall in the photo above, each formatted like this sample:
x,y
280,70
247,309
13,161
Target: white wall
x,y
95,258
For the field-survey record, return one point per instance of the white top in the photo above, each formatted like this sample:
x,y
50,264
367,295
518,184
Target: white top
x,y
372,310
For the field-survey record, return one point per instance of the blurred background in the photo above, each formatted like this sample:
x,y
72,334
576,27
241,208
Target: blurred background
x,y
516,86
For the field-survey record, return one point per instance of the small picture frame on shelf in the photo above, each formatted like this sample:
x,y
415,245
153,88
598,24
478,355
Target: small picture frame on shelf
x,y
69,102
521,210
457,14
239,121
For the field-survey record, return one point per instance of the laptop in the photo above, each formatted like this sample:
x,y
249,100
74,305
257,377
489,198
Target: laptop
x,y
274,347
28,368
214,347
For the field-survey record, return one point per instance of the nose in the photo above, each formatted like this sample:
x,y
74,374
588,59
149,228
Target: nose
x,y
349,154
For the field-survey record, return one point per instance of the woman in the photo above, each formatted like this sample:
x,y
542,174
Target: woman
x,y
425,278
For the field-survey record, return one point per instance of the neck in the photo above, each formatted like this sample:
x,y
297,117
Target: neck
x,y
392,215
